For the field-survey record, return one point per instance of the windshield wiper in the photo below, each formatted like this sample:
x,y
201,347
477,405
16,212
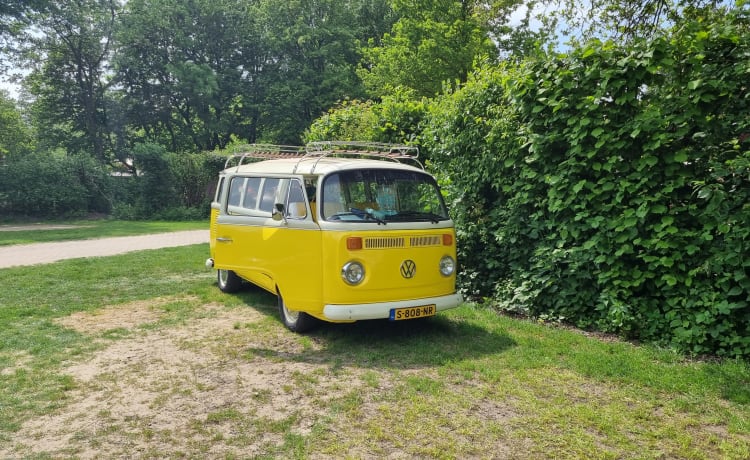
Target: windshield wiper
x,y
371,215
404,215
365,215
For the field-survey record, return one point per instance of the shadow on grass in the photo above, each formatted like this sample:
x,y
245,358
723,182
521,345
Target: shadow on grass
x,y
408,344
454,337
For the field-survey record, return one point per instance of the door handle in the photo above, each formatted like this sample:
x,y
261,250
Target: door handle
x,y
223,240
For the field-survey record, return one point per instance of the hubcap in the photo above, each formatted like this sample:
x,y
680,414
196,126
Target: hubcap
x,y
290,315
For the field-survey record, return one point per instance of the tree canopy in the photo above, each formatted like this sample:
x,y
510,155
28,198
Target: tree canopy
x,y
198,75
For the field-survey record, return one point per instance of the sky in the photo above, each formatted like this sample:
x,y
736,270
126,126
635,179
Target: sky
x,y
11,88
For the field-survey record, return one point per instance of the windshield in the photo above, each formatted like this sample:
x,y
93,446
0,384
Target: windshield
x,y
382,195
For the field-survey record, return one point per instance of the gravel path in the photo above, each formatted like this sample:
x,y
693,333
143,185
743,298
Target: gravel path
x,y
42,253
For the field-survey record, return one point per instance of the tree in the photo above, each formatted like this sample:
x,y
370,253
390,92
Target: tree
x,y
14,18
69,77
627,20
312,56
15,134
433,41
189,71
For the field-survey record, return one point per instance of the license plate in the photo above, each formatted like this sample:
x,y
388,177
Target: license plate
x,y
398,314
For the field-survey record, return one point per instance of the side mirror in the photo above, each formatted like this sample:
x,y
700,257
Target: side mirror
x,y
278,212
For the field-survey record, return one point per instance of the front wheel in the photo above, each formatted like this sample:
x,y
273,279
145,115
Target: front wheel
x,y
295,321
228,281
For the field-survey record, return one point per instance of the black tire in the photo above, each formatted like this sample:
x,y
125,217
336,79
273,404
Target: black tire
x,y
228,281
295,321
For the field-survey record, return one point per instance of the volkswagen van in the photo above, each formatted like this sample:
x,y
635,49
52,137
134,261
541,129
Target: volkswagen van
x,y
339,232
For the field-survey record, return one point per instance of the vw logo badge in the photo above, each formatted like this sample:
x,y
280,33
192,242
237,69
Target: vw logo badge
x,y
408,269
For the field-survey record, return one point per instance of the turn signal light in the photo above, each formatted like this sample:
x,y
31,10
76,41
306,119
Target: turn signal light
x,y
354,243
447,239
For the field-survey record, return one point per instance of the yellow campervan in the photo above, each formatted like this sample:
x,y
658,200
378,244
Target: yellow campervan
x,y
339,232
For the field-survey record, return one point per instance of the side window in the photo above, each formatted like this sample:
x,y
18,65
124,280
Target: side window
x,y
252,186
235,191
219,189
295,203
268,196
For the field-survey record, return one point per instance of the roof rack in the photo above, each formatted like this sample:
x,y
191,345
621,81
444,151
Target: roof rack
x,y
265,152
319,150
394,152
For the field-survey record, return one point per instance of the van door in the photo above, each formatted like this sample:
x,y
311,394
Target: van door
x,y
273,254
297,253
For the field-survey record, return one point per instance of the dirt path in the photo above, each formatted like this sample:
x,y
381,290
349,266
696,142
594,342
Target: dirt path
x,y
15,228
41,253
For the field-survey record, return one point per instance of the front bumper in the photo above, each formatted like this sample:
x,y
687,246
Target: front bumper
x,y
382,310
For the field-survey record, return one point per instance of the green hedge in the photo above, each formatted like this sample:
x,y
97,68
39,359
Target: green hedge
x,y
42,185
610,187
168,186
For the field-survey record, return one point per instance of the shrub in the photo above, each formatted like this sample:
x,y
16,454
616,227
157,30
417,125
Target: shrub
x,y
609,187
44,185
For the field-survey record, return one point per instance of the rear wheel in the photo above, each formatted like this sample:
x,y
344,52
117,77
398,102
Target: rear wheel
x,y
228,281
295,321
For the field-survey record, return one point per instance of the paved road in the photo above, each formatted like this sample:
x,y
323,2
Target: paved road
x,y
42,253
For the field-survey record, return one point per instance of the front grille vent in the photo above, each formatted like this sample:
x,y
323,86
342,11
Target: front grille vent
x,y
397,242
428,240
384,243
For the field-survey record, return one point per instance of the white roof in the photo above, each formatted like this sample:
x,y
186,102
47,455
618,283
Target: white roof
x,y
316,166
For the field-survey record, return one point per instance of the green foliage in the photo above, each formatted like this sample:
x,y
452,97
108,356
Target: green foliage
x,y
71,45
349,120
431,43
471,138
189,70
195,184
44,185
168,186
630,20
155,180
312,56
626,208
395,119
15,135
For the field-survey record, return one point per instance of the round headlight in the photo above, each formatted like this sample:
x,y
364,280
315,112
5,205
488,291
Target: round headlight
x,y
447,265
353,273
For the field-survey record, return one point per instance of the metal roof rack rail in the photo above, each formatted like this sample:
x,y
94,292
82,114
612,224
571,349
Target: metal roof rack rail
x,y
265,152
379,150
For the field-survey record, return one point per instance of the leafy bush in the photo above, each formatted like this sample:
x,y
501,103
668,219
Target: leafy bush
x,y
396,119
610,187
155,180
472,141
169,186
43,185
195,178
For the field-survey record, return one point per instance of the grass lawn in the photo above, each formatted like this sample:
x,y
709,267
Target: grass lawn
x,y
41,232
140,355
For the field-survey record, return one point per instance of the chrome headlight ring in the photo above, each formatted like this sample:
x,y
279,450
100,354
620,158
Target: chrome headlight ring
x,y
447,266
353,273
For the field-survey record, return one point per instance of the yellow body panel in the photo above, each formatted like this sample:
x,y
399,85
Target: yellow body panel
x,y
305,264
274,256
383,280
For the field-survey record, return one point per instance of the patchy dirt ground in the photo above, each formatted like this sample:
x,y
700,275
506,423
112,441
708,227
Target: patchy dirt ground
x,y
195,389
